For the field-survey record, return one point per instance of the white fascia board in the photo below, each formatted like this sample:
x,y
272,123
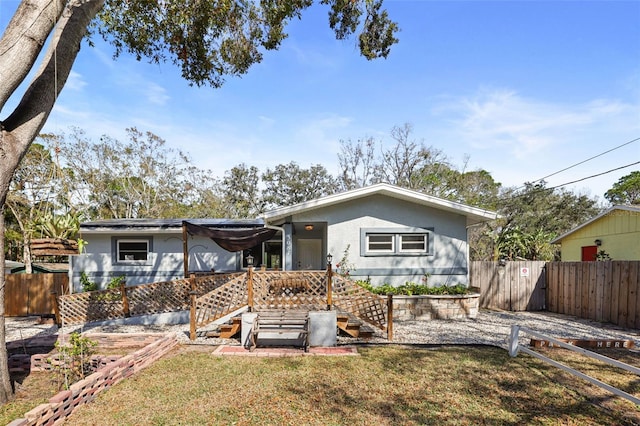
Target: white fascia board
x,y
473,214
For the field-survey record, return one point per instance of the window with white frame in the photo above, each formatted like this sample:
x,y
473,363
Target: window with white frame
x,y
130,250
396,241
414,243
380,243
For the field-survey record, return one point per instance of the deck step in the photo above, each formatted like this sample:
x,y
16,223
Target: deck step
x,y
352,326
227,331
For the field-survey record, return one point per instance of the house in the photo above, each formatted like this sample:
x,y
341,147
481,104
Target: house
x,y
616,232
152,250
388,234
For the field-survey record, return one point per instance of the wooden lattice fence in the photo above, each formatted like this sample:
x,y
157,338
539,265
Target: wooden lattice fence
x,y
352,298
216,296
144,299
222,300
306,290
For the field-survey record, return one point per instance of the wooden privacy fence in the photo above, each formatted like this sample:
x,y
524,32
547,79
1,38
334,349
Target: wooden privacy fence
x,y
511,286
606,291
31,294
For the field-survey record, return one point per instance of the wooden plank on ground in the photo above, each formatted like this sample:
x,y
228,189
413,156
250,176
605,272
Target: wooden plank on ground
x,y
592,344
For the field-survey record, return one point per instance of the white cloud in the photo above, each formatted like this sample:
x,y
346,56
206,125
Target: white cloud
x,y
504,120
75,81
156,94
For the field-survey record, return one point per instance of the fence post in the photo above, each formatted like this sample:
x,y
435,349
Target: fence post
x,y
329,284
250,287
192,310
125,299
389,316
56,308
513,340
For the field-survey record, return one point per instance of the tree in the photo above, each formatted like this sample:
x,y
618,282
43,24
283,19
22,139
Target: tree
x,y
626,190
357,163
138,178
32,194
288,184
530,218
241,192
208,40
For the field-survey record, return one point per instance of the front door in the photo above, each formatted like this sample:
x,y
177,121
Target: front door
x,y
309,254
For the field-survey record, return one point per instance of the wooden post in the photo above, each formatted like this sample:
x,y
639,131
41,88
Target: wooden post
x,y
56,308
329,286
125,299
389,317
185,249
250,287
192,311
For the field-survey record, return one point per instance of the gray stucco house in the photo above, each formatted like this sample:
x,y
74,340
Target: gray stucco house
x,y
392,235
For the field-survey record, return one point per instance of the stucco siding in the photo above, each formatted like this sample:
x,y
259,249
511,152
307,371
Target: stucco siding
x,y
164,262
447,263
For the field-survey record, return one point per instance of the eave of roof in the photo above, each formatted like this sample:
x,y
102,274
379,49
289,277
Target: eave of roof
x,y
474,215
167,225
590,221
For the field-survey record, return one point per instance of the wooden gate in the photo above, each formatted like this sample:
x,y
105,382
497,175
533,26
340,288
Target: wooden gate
x,y
513,286
30,294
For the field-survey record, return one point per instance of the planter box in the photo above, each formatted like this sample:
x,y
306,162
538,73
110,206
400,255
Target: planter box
x,y
428,307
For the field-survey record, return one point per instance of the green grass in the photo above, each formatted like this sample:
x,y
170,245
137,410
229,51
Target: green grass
x,y
385,386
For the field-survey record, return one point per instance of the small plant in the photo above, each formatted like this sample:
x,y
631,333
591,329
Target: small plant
x,y
87,284
345,267
74,360
115,282
603,255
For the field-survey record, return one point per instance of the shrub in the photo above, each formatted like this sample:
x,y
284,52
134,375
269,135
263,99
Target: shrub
x,y
74,362
413,289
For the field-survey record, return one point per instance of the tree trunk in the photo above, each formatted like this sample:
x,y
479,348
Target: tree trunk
x,y
6,390
21,43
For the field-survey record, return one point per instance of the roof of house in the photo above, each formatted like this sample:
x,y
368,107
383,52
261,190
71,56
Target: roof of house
x,y
601,215
474,215
115,225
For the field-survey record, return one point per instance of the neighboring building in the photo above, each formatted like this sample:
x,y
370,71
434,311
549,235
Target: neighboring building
x,y
615,232
10,265
392,235
42,268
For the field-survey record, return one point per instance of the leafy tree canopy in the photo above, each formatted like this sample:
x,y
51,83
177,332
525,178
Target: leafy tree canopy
x,y
626,190
209,40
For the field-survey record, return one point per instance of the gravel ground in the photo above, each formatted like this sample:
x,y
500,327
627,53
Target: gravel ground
x,y
489,328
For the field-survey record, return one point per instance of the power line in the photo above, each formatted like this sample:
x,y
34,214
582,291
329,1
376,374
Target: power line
x,y
596,175
584,161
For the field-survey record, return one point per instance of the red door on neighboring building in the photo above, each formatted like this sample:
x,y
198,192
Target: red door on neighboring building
x,y
589,253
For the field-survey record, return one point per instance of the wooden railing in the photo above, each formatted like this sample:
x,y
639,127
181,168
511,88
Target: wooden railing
x,y
352,298
219,302
215,296
144,299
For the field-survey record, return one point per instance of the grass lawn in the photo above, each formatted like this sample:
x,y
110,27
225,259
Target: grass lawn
x,y
384,386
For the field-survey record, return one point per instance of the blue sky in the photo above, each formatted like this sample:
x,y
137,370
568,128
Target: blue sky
x,y
522,88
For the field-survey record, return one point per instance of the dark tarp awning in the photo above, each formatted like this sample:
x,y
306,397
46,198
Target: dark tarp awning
x,y
232,239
